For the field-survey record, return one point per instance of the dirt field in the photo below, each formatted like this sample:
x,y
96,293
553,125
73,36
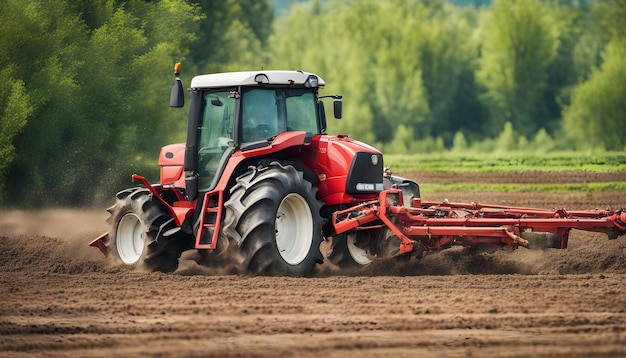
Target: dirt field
x,y
60,298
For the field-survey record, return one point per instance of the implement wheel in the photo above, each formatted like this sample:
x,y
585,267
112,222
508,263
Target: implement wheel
x,y
274,219
138,236
345,252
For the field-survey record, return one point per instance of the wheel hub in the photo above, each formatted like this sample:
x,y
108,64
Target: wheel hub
x,y
359,255
294,229
129,239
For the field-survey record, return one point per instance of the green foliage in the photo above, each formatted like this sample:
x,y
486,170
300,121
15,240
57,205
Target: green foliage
x,y
447,53
85,94
232,36
40,42
459,143
507,140
400,62
543,142
520,42
83,104
16,109
403,141
597,113
299,41
597,116
437,69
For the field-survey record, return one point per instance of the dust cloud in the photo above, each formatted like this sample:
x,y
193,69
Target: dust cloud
x,y
59,239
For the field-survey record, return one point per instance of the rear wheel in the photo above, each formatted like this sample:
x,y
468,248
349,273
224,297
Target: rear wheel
x,y
142,232
274,219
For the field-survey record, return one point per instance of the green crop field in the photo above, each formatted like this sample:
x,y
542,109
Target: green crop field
x,y
571,170
451,162
510,188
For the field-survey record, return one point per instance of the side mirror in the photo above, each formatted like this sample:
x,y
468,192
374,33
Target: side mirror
x,y
177,97
338,108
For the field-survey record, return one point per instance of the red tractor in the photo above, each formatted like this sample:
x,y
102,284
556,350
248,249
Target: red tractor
x,y
260,182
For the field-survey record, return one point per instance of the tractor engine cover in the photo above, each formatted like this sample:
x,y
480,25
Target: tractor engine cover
x,y
349,171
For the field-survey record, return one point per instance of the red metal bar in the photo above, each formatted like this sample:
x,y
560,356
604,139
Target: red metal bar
x,y
180,210
406,245
99,243
595,213
353,217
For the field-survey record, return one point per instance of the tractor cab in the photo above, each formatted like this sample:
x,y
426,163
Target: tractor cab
x,y
245,111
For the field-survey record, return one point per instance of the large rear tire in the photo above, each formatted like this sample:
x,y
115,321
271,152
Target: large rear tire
x,y
141,234
273,218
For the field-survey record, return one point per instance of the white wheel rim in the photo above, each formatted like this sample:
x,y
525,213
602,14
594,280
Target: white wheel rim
x,y
359,255
294,229
129,240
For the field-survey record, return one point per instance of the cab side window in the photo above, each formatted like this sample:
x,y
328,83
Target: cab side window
x,y
215,134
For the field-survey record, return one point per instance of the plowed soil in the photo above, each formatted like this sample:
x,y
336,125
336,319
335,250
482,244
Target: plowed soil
x,y
60,298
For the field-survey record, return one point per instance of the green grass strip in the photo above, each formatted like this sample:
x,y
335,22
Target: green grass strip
x,y
506,188
450,162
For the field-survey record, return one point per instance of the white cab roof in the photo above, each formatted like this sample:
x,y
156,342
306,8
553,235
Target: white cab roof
x,y
246,78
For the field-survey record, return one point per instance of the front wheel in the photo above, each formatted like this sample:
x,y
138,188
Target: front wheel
x,y
140,234
273,217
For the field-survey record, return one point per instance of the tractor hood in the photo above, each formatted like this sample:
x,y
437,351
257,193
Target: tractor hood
x,y
349,171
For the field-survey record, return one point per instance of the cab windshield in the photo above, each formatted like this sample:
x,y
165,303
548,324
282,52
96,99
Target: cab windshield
x,y
267,112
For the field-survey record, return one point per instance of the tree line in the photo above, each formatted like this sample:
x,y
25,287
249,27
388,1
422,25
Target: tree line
x,y
84,96
425,74
83,101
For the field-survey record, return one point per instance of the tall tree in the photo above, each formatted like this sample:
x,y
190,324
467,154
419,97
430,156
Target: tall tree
x,y
313,38
597,114
399,96
90,121
40,42
232,35
401,62
16,109
520,40
447,53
